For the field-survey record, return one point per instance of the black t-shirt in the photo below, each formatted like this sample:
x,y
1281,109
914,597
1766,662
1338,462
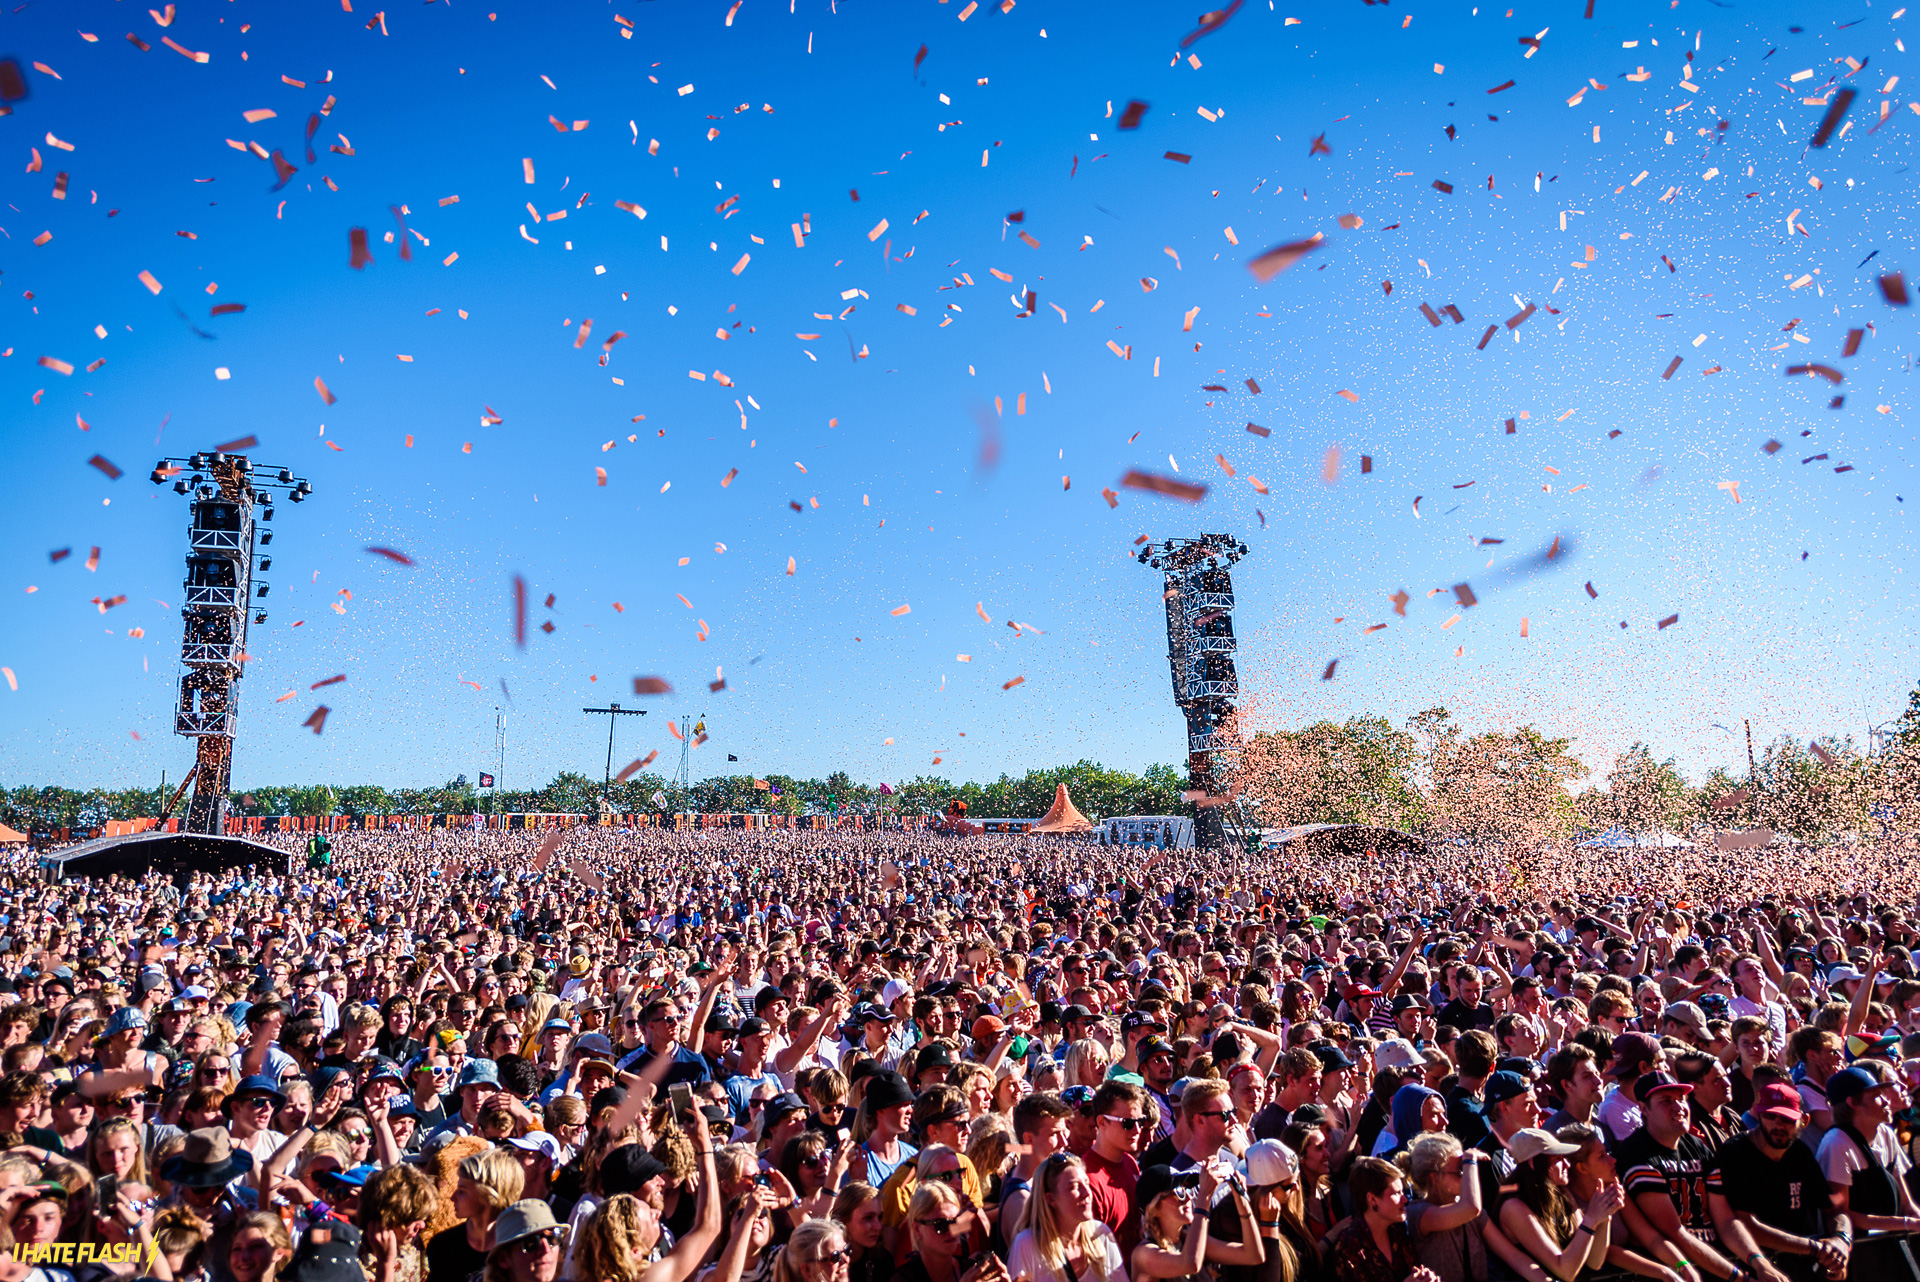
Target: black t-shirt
x,y
1648,1166
450,1258
1458,1015
1269,1122
1466,1116
1788,1194
1160,1153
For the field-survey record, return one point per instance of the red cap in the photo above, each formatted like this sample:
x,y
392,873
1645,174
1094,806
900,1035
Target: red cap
x,y
1777,1099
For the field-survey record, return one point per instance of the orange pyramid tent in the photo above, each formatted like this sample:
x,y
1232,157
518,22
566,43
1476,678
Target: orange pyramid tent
x,y
1065,816
9,837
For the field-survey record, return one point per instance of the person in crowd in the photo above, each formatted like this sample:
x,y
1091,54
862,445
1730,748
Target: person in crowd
x,y
1541,1217
1445,1216
1060,1236
1373,1244
1865,1166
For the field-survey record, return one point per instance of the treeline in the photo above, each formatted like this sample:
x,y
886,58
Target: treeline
x,y
1434,777
1096,789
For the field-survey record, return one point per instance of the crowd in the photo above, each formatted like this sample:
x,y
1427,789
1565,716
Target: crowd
x,y
907,1057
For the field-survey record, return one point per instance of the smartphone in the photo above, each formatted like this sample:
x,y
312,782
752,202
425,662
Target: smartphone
x,y
762,1181
106,1196
680,1096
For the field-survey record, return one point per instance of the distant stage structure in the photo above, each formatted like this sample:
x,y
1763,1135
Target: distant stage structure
x,y
230,517
1200,649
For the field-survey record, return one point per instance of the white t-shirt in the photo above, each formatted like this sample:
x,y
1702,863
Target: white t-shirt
x,y
1840,1157
1105,1265
1618,1115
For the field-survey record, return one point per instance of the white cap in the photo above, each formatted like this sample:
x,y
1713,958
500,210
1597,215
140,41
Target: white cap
x,y
894,991
1271,1162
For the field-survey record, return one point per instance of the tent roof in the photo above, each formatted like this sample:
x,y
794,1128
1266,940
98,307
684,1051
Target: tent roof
x,y
1065,816
9,836
176,853
1621,839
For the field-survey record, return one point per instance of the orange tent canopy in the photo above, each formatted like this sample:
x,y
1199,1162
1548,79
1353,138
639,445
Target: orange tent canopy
x,y
8,836
1065,816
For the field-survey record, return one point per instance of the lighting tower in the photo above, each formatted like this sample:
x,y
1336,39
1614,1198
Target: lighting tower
x,y
228,496
1200,646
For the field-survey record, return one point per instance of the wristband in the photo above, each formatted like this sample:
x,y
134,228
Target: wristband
x,y
1584,1228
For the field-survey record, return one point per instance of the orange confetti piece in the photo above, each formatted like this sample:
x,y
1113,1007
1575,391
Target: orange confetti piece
x,y
897,611
1015,682
320,386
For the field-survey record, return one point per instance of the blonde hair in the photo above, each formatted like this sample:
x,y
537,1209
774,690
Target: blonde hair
x,y
1048,1239
118,1126
989,1145
397,1197
931,1195
275,1230
443,1164
497,1175
1428,1152
1085,1057
610,1240
813,1236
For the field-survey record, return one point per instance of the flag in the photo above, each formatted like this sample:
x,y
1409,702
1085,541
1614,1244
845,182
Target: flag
x,y
761,784
886,790
731,757
486,780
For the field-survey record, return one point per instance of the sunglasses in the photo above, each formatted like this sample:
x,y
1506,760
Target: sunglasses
x,y
946,1177
1125,1123
843,1256
539,1242
942,1226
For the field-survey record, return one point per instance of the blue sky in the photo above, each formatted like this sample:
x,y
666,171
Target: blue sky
x,y
452,100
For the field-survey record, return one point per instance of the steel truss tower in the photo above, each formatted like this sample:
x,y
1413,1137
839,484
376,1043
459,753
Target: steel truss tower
x,y
1200,648
230,499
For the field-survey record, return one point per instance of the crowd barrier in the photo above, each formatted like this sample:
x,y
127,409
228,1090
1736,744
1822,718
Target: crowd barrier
x,y
260,825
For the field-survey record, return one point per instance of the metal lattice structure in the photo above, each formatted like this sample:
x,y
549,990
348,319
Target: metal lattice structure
x,y
1200,650
231,503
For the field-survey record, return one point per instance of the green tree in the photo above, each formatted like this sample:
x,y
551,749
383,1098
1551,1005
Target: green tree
x,y
1646,795
1503,786
1357,772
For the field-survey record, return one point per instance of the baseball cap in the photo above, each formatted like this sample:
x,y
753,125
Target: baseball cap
x,y
1271,1162
1153,1044
1650,1084
537,1142
1632,1052
1505,1085
1156,1180
1851,1083
1410,1001
1530,1142
1777,1099
1332,1058
1686,1013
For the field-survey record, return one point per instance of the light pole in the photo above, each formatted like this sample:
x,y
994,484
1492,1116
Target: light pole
x,y
613,712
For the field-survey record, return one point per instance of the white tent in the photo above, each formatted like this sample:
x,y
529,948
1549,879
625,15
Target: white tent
x,y
1621,839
